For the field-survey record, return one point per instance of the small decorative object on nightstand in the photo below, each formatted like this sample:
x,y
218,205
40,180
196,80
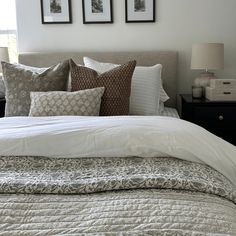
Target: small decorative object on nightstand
x,y
197,92
207,56
217,117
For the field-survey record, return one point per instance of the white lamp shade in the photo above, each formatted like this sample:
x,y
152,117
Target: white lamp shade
x,y
4,56
207,56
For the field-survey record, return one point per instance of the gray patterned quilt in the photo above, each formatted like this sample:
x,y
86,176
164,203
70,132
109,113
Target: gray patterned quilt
x,y
114,196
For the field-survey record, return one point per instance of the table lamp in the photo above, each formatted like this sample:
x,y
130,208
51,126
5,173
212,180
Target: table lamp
x,y
4,56
207,57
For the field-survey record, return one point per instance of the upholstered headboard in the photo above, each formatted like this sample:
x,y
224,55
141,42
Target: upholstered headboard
x,y
167,58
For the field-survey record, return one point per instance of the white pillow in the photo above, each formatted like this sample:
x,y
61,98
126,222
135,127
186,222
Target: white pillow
x,y
145,86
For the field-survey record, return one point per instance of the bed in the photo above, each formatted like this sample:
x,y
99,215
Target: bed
x,y
126,175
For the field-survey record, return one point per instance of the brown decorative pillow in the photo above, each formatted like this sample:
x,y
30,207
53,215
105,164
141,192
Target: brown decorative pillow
x,y
117,83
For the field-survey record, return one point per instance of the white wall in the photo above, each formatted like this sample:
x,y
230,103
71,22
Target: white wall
x,y
180,23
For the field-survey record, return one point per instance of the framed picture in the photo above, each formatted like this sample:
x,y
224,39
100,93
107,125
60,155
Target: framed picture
x,y
139,11
97,11
56,11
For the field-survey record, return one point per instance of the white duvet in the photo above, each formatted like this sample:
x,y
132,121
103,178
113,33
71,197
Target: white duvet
x,y
115,137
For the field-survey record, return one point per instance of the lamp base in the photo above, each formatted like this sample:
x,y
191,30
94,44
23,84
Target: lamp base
x,y
204,80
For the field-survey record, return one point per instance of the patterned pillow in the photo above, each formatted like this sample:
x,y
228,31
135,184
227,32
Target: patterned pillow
x,y
81,103
117,83
20,80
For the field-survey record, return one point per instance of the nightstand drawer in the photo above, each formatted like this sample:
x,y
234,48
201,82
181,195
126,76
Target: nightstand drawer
x,y
215,115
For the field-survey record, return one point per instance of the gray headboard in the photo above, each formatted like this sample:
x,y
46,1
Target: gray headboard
x,y
167,58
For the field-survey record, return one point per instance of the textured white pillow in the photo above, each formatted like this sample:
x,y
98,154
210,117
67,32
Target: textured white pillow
x,y
145,86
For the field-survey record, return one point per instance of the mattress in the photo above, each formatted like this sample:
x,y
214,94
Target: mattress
x,y
171,112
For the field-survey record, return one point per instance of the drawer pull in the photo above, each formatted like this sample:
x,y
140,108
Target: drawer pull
x,y
226,82
227,93
221,117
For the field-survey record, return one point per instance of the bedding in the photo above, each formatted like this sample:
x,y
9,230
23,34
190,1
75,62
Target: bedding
x,y
117,83
20,80
124,175
57,103
146,86
122,136
153,195
171,112
124,212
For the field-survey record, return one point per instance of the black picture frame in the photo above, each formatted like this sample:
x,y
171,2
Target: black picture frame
x,y
153,15
69,21
86,21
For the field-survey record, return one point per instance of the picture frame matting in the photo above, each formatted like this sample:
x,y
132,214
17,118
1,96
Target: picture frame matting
x,y
140,11
56,11
97,11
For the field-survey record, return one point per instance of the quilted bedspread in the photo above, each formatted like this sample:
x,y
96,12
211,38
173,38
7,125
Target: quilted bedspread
x,y
114,196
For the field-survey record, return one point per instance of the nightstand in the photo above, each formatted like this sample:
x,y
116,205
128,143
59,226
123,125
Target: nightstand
x,y
217,117
2,106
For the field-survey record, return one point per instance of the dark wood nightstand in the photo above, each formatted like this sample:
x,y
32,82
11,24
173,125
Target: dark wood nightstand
x,y
217,117
2,106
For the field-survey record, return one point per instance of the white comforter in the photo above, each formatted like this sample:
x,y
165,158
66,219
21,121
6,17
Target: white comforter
x,y
115,136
